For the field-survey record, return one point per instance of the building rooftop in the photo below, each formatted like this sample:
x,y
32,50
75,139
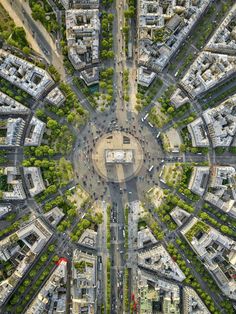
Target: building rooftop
x,y
4,209
65,3
82,33
56,97
153,291
159,260
145,76
217,252
84,279
32,79
224,39
88,238
192,303
11,131
54,216
90,76
34,132
207,71
221,122
222,191
179,215
163,26
199,179
198,133
145,237
9,105
53,293
15,189
34,236
7,286
34,180
179,98
85,4
119,156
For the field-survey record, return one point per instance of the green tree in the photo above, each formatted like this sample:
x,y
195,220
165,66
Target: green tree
x,y
11,217
52,124
55,258
71,212
38,12
39,113
74,237
170,110
204,215
51,189
19,36
44,258
71,117
60,228
105,43
26,282
225,229
26,50
51,248
21,289
110,17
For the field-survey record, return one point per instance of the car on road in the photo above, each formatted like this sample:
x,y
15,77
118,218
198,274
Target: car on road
x,y
150,169
46,51
176,73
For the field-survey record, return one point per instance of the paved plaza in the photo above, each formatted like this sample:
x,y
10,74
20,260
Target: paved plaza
x,y
117,156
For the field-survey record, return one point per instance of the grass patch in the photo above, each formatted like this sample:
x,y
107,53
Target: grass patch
x,y
14,35
142,225
108,287
42,11
157,118
108,227
126,290
172,174
65,170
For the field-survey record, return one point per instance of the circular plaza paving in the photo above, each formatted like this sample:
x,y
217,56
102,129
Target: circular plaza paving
x,y
117,156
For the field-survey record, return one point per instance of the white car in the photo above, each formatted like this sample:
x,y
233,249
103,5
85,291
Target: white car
x,y
150,169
